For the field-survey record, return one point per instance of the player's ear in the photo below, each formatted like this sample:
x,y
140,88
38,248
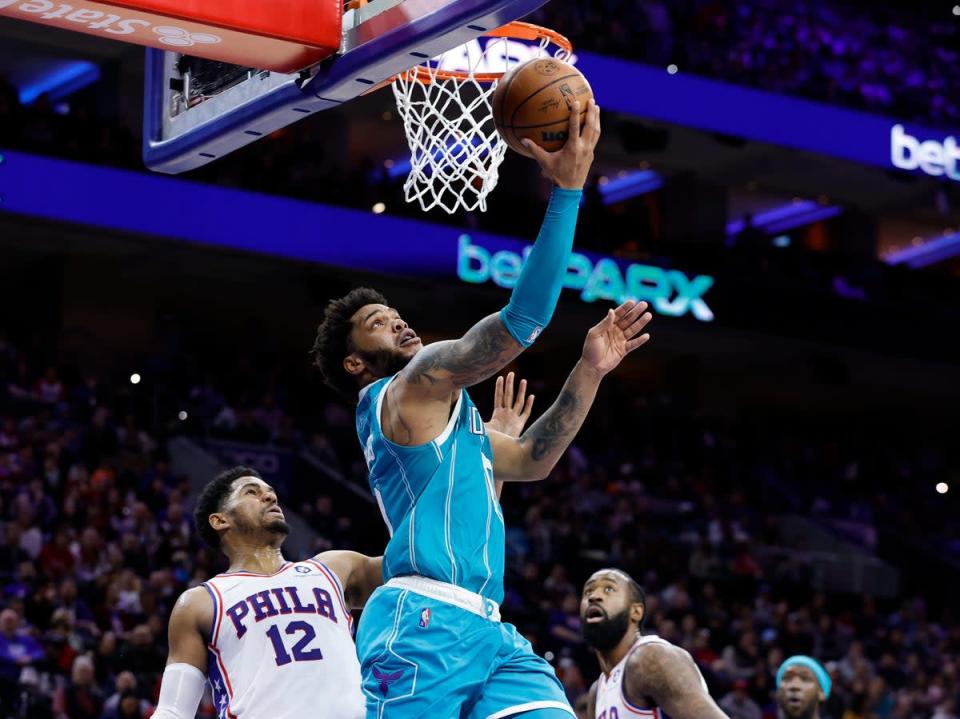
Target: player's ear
x,y
219,521
353,364
637,612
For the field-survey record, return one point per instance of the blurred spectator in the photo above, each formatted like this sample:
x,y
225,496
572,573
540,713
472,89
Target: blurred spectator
x,y
80,698
96,552
19,654
738,704
125,693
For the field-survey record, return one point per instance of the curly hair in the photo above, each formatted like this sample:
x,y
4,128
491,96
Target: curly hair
x,y
211,501
333,339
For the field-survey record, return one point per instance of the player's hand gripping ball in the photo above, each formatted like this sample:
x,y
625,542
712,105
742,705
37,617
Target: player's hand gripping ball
x,y
534,101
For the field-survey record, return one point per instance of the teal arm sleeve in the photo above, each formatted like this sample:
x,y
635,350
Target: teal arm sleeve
x,y
538,288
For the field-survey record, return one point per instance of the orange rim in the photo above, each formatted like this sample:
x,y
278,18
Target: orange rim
x,y
517,30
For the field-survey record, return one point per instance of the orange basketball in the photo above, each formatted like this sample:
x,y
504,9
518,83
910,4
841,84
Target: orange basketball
x,y
533,101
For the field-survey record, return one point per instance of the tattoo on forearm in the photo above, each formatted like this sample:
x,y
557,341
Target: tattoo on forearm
x,y
484,350
556,427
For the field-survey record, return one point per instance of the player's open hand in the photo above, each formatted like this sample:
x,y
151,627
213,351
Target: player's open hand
x,y
510,411
616,336
569,167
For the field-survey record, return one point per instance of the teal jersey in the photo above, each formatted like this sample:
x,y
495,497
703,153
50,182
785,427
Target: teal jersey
x,y
438,499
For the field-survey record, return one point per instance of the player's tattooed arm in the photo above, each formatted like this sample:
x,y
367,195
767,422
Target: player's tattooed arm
x,y
669,677
537,451
443,367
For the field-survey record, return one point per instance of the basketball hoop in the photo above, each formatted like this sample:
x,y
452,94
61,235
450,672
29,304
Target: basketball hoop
x,y
455,150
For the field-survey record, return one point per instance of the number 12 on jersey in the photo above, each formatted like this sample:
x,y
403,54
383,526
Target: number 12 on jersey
x,y
300,651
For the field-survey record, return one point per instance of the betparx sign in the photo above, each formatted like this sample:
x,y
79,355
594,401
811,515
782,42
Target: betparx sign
x,y
669,292
933,157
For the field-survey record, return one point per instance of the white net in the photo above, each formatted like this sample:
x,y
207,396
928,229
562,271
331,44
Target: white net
x,y
455,149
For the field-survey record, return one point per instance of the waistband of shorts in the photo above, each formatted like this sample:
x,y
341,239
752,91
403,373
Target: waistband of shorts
x,y
448,593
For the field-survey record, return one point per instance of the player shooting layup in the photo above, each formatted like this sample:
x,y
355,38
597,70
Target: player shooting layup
x,y
274,637
430,640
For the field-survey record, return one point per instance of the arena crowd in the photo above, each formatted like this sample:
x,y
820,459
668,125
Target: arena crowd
x,y
97,543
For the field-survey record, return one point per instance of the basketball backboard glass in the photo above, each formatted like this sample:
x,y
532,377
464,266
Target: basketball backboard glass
x,y
199,110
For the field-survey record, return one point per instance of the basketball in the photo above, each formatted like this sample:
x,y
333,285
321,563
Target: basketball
x,y
534,100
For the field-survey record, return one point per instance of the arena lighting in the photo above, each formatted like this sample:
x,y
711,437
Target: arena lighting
x,y
378,208
182,416
672,69
787,217
942,487
632,184
135,378
58,80
927,251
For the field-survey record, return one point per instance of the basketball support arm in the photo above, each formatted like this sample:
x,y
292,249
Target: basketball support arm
x,y
181,690
537,291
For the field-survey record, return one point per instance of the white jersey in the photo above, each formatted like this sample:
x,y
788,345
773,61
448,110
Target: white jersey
x,y
281,645
611,702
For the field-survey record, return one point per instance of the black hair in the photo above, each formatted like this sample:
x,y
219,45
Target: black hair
x,y
333,339
211,501
637,595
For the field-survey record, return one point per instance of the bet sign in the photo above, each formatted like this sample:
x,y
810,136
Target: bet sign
x,y
930,156
669,292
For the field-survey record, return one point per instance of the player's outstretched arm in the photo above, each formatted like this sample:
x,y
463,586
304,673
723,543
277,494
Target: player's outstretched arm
x,y
668,676
184,678
511,410
443,367
536,452
358,573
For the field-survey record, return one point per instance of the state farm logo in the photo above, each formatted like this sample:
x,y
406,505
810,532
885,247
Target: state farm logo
x,y
178,37
77,17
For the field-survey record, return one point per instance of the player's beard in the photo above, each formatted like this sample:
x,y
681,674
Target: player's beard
x,y
604,636
384,362
278,526
271,526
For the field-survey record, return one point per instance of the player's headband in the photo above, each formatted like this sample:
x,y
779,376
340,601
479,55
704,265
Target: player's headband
x,y
823,678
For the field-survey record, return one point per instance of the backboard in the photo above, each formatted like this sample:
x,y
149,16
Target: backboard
x,y
198,110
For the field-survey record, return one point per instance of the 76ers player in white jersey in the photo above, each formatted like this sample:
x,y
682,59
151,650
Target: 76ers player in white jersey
x,y
643,676
274,638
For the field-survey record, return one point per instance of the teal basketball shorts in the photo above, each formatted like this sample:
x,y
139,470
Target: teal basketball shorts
x,y
423,658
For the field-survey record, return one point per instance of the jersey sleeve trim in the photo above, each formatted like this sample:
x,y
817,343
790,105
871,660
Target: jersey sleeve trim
x,y
640,711
217,664
454,417
436,441
217,612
